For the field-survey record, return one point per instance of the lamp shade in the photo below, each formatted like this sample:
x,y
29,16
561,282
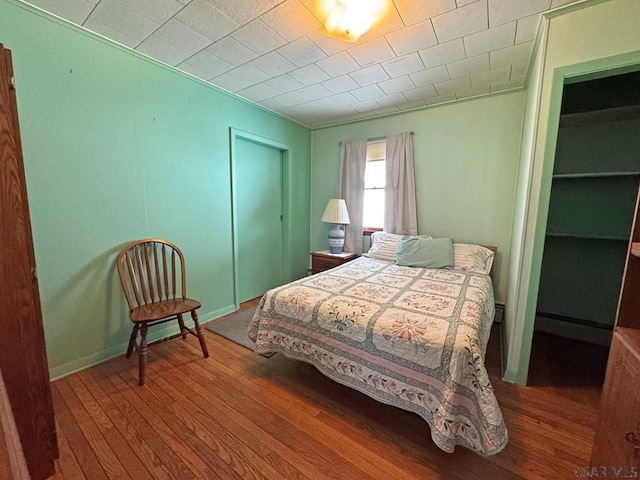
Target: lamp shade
x,y
336,212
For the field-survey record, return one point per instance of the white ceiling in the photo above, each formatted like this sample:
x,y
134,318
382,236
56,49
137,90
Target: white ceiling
x,y
271,52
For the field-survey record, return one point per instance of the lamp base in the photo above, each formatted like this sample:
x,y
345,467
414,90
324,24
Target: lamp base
x,y
336,239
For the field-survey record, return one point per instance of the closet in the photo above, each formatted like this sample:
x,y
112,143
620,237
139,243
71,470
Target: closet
x,y
593,196
23,359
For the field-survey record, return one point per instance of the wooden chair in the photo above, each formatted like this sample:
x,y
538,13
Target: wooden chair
x,y
153,277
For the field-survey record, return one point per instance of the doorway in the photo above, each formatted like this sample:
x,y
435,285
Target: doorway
x,y
594,187
259,172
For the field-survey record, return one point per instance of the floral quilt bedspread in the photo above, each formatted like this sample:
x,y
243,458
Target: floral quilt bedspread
x,y
410,337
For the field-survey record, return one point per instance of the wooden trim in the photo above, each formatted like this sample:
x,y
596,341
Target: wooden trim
x,y
367,231
12,461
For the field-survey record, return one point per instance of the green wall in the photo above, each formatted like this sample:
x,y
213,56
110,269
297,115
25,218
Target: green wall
x,y
466,160
591,38
119,147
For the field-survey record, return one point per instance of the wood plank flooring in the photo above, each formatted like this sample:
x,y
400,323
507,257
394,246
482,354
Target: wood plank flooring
x,y
238,415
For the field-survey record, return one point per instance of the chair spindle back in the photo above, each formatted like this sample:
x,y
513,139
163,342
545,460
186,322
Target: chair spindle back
x,y
151,271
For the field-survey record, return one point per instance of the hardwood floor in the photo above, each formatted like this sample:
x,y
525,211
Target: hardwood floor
x,y
240,415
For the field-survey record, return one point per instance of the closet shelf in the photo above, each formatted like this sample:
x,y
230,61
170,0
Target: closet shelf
x,y
559,176
635,249
605,115
590,236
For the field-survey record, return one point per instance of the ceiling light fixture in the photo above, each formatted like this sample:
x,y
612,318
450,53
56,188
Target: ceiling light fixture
x,y
350,19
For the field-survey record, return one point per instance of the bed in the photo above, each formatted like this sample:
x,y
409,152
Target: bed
x,y
406,336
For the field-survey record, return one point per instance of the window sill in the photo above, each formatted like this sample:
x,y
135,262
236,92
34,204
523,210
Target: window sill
x,y
367,231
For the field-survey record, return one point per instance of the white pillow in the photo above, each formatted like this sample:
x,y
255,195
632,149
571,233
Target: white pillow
x,y
384,246
472,258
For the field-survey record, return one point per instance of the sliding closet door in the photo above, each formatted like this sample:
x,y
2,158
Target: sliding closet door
x,y
23,359
259,216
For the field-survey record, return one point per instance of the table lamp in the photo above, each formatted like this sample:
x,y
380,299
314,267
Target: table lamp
x,y
336,213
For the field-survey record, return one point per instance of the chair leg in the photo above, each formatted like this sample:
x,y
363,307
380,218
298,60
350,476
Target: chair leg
x,y
203,344
142,356
132,339
183,330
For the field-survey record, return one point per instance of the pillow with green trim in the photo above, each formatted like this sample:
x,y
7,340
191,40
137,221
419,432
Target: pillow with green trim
x,y
425,252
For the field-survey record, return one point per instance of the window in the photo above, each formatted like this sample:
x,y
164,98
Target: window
x,y
374,183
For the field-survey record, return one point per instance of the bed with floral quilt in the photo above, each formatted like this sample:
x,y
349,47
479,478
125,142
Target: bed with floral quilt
x,y
406,336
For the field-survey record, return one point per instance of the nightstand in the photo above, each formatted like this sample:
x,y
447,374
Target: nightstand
x,y
324,260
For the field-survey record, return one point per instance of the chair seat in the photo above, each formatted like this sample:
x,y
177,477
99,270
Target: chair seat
x,y
160,310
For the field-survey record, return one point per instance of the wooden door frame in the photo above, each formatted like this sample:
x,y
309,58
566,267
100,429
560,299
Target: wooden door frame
x,y
285,150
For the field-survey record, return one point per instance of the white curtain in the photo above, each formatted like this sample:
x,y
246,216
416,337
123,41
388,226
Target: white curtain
x,y
353,160
400,212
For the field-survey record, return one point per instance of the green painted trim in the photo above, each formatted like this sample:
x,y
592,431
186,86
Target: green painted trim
x,y
154,335
572,7
88,33
287,234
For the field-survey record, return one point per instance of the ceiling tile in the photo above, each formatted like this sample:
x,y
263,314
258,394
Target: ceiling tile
x,y
403,65
309,75
394,99
302,52
259,92
413,11
396,85
257,36
284,83
329,45
367,93
162,51
503,11
158,10
421,93
75,11
182,37
492,39
291,20
341,84
232,51
248,72
502,87
314,92
110,33
242,12
473,92
559,3
518,73
412,39
460,22
390,22
373,51
273,63
412,105
231,83
441,99
483,79
430,76
469,66
122,18
369,75
366,105
527,28
206,19
443,53
273,103
338,100
338,64
453,86
385,110
205,65
517,55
